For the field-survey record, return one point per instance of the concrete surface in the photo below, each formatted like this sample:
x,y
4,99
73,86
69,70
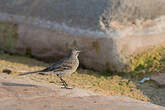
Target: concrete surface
x,y
86,14
24,94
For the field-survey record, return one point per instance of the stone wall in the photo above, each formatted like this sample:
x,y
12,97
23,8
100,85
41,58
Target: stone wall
x,y
49,29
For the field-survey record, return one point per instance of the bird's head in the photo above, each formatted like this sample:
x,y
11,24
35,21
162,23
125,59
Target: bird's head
x,y
74,52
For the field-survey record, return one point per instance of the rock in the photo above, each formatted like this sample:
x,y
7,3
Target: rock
x,y
78,103
22,94
48,29
85,14
159,78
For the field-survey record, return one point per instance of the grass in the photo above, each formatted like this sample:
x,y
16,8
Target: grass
x,y
87,79
148,62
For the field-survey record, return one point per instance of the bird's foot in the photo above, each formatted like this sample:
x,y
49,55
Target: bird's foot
x,y
66,87
41,73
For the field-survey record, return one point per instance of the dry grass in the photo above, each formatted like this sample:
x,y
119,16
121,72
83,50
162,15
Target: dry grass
x,y
86,79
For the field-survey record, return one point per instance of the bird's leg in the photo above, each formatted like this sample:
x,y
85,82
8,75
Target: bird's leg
x,y
63,82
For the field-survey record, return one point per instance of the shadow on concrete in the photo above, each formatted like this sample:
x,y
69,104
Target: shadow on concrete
x,y
17,84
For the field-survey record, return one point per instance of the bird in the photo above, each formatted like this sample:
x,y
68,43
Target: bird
x,y
64,67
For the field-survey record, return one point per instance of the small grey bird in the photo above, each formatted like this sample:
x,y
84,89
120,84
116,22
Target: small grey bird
x,y
63,67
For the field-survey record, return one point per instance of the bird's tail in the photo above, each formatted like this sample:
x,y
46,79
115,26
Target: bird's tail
x,y
29,73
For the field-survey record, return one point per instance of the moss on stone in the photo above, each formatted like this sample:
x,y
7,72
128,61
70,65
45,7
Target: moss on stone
x,y
107,67
28,52
74,43
8,36
96,46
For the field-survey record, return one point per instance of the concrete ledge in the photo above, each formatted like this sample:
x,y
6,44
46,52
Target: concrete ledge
x,y
97,52
101,50
30,95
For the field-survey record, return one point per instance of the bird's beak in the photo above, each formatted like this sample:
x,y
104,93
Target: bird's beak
x,y
78,51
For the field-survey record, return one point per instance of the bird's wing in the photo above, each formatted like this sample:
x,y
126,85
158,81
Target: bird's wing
x,y
58,66
62,67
